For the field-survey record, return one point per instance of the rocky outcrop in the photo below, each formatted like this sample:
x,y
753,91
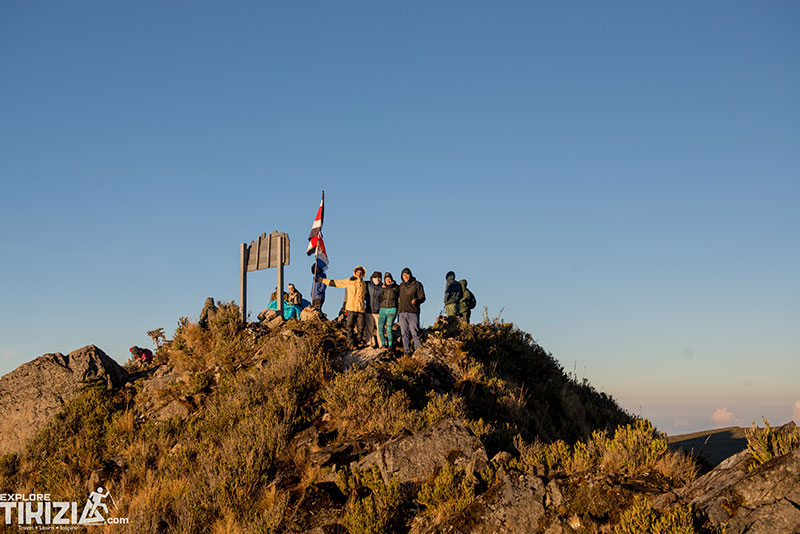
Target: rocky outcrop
x,y
515,504
35,391
765,500
414,459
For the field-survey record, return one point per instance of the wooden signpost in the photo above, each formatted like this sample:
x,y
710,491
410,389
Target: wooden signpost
x,y
266,252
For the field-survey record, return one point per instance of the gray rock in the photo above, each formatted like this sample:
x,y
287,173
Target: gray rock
x,y
267,315
176,408
765,500
275,322
32,393
415,459
515,505
312,314
360,358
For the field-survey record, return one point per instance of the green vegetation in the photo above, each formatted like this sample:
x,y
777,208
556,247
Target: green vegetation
x,y
640,518
768,443
634,450
373,506
448,493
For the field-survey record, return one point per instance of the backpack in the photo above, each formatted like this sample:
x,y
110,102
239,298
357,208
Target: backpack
x,y
469,299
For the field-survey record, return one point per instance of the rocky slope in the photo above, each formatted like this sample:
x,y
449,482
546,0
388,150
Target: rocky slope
x,y
277,428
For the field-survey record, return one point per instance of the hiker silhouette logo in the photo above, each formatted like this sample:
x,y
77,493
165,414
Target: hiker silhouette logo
x,y
91,512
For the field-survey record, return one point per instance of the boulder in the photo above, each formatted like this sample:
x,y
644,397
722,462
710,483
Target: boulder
x,y
765,500
32,393
312,314
414,459
267,315
360,358
515,504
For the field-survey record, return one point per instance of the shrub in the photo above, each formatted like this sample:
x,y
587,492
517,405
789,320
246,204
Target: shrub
x,y
373,506
635,450
641,518
769,443
448,493
361,403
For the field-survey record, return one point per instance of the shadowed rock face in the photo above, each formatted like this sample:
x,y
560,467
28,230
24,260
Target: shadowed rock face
x,y
35,391
765,500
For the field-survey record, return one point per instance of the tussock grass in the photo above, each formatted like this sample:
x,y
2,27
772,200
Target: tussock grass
x,y
633,451
768,443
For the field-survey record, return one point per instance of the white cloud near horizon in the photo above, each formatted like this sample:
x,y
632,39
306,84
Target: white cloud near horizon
x,y
681,423
796,413
724,417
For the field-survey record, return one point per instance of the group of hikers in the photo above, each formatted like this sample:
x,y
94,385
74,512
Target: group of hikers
x,y
371,307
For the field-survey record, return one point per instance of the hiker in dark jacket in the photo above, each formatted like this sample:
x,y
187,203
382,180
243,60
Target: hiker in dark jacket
x,y
372,309
452,295
318,289
209,310
412,294
390,291
467,303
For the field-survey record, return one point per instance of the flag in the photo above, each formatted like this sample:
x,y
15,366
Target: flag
x,y
316,229
322,256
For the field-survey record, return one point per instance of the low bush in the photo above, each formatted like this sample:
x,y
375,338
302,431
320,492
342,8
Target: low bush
x,y
768,443
447,494
373,506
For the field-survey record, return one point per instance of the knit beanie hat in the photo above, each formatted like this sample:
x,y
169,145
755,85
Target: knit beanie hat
x,y
450,274
407,271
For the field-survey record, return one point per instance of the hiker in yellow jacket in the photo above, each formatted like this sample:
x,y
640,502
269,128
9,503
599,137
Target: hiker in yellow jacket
x,y
355,307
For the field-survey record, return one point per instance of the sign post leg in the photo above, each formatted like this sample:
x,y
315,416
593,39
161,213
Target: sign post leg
x,y
243,284
280,276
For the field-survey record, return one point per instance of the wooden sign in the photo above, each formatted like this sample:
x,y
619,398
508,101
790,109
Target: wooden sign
x,y
268,251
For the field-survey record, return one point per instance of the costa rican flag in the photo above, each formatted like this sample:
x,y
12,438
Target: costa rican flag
x,y
315,243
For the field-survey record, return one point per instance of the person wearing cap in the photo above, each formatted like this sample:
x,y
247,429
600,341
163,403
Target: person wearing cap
x,y
373,307
452,295
411,295
354,306
390,291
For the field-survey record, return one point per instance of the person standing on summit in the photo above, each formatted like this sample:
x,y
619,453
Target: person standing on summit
x,y
412,294
356,290
453,292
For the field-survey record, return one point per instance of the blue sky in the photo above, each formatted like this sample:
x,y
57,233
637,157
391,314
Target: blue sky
x,y
620,178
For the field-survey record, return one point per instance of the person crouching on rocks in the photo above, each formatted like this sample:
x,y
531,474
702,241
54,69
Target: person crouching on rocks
x,y
356,293
141,355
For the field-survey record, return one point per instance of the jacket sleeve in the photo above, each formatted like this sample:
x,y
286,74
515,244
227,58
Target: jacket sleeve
x,y
420,294
335,283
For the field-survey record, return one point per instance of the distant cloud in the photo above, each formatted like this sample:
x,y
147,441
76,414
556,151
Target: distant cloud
x,y
797,412
724,417
681,423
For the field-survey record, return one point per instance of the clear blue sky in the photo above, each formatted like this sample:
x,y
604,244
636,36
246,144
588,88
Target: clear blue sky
x,y
620,178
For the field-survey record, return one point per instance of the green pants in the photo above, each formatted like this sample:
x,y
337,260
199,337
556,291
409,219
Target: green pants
x,y
451,310
386,320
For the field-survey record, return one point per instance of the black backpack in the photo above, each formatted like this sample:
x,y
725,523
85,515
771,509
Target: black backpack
x,y
469,299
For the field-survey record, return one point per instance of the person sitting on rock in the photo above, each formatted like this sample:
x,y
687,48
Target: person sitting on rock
x,y
355,305
294,297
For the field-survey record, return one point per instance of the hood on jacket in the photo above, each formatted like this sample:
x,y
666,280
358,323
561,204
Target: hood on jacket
x,y
359,268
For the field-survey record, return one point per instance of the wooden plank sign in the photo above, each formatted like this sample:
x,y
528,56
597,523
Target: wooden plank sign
x,y
268,251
